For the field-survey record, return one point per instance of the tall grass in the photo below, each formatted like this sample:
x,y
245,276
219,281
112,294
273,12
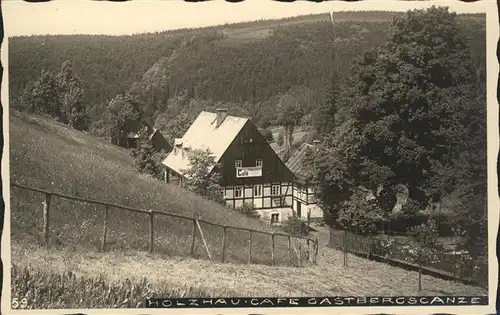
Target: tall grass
x,y
47,290
47,155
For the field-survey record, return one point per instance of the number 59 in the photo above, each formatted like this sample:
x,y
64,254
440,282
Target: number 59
x,y
16,303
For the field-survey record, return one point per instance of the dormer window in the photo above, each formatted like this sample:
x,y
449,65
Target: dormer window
x,y
258,162
238,163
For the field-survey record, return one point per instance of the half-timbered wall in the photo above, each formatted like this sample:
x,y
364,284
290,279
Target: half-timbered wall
x,y
261,196
304,202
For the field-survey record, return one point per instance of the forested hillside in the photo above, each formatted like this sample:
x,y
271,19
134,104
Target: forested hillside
x,y
247,66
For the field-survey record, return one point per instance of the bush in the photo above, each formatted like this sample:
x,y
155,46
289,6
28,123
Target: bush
x,y
399,223
36,289
360,214
296,226
248,210
201,180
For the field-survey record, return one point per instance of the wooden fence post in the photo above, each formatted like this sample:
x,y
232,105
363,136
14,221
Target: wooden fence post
x,y
193,239
316,252
104,229
330,240
369,251
151,231
297,253
224,244
272,250
393,246
46,217
290,248
250,246
308,257
203,239
345,249
454,262
300,252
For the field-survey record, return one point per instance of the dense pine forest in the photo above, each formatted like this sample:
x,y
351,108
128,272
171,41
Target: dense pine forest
x,y
246,66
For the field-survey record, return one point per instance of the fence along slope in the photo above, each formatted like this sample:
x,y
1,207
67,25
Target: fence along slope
x,y
311,254
371,247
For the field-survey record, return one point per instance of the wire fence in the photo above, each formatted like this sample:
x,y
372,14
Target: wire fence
x,y
68,221
450,263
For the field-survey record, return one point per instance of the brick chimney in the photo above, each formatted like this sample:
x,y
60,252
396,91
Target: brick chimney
x,y
221,115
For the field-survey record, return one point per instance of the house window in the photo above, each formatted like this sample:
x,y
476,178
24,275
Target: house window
x,y
258,162
223,192
238,191
275,190
275,218
238,163
257,190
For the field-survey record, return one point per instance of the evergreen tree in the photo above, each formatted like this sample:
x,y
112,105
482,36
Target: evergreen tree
x,y
70,92
324,115
41,96
289,114
121,118
145,158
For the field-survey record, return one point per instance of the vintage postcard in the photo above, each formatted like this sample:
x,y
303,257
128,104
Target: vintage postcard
x,y
167,157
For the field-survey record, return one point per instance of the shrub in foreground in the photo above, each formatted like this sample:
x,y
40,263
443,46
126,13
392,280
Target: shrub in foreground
x,y
296,226
41,290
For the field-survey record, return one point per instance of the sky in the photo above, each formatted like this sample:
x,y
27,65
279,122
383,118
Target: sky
x,y
143,16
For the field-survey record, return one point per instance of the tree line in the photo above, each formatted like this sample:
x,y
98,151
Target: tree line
x,y
210,66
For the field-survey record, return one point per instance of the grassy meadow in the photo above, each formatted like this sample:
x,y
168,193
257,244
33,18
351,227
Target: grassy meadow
x,y
46,155
50,290
124,279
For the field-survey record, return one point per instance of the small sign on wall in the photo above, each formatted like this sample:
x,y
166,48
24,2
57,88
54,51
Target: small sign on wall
x,y
242,172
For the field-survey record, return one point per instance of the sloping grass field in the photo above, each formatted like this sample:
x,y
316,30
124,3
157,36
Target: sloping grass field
x,y
45,154
127,278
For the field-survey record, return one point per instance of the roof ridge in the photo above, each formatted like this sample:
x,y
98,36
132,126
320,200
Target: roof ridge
x,y
218,141
213,113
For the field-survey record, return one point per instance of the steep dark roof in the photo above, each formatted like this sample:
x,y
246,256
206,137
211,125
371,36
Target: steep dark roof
x,y
295,164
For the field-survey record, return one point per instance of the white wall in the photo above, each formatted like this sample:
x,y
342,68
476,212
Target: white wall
x,y
284,213
316,211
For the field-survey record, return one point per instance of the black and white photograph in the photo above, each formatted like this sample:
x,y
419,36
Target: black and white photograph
x,y
215,157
